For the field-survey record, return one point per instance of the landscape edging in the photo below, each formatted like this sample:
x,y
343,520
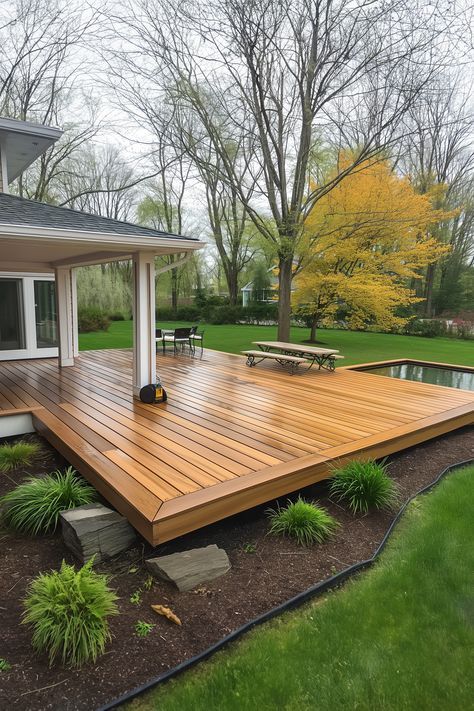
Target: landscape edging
x,y
299,599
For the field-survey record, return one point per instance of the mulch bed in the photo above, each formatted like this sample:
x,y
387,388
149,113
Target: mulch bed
x,y
277,570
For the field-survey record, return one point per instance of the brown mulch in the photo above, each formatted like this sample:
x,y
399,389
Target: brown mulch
x,y
276,571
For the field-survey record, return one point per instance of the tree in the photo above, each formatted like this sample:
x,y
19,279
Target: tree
x,y
39,65
289,73
363,242
437,152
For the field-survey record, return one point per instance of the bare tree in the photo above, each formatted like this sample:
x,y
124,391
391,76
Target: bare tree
x,y
439,159
288,73
42,55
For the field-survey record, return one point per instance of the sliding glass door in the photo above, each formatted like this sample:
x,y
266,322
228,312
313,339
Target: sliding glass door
x,y
12,331
45,314
28,326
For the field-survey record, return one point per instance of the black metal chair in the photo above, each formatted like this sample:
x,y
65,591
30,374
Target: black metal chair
x,y
180,338
194,336
158,337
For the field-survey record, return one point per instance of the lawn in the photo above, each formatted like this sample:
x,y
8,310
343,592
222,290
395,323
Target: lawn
x,y
358,347
400,636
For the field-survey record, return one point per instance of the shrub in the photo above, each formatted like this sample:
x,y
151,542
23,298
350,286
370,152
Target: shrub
x,y
188,313
303,521
4,665
91,319
19,454
364,486
257,312
117,316
165,314
428,328
68,611
34,506
226,314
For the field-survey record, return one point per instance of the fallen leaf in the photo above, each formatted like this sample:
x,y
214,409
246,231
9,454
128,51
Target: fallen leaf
x,y
166,612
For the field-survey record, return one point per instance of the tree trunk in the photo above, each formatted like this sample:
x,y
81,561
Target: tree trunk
x,y
314,325
430,276
232,285
284,304
174,289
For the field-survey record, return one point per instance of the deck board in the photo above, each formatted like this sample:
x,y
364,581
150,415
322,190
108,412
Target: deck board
x,y
228,438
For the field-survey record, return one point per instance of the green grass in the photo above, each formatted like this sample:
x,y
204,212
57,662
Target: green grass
x,y
356,347
400,636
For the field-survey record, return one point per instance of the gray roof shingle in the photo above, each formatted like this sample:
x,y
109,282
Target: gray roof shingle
x,y
15,210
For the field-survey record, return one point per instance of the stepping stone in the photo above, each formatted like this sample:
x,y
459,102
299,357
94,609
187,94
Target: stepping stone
x,y
189,569
95,530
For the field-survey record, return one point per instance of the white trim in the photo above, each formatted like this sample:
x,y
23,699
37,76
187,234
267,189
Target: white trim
x,y
11,425
4,167
64,310
144,321
135,242
31,349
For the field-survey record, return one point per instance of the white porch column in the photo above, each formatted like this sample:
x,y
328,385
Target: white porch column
x,y
65,299
144,347
75,324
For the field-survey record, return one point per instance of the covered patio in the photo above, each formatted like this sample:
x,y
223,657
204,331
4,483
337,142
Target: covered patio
x,y
41,242
229,438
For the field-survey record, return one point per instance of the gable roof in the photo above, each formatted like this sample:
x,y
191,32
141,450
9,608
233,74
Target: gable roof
x,y
20,211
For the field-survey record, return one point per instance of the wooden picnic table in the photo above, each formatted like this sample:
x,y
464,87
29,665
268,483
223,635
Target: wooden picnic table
x,y
323,357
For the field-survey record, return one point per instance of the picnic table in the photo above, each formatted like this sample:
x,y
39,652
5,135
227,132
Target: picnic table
x,y
293,354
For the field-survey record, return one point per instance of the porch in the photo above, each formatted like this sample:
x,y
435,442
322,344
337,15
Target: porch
x,y
229,438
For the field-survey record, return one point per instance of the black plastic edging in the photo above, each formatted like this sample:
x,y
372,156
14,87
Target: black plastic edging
x,y
296,601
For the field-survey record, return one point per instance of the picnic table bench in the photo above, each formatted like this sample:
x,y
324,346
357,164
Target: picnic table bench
x,y
254,357
296,354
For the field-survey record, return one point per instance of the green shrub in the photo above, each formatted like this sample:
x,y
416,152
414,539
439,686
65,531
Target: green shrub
x,y
427,328
226,314
364,486
18,454
188,313
34,506
92,319
4,665
117,316
260,312
68,612
303,521
165,314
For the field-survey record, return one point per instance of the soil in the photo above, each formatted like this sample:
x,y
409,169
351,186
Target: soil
x,y
265,572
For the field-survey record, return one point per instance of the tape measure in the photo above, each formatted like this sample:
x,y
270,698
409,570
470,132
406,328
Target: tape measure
x,y
153,393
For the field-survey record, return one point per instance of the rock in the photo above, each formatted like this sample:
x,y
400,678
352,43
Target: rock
x,y
189,569
95,530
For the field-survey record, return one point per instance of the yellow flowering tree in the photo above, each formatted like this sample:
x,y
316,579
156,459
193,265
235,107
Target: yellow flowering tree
x,y
363,244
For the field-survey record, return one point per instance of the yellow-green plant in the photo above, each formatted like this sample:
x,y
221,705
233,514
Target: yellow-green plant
x,y
18,454
68,611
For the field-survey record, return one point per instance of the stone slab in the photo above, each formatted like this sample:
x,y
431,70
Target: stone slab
x,y
191,568
95,530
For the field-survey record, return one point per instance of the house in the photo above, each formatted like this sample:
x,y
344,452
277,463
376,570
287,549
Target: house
x,y
41,246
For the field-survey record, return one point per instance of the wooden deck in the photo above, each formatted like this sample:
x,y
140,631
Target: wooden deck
x,y
229,437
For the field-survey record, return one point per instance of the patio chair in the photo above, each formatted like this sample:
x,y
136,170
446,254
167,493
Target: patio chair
x,y
180,338
158,337
194,336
